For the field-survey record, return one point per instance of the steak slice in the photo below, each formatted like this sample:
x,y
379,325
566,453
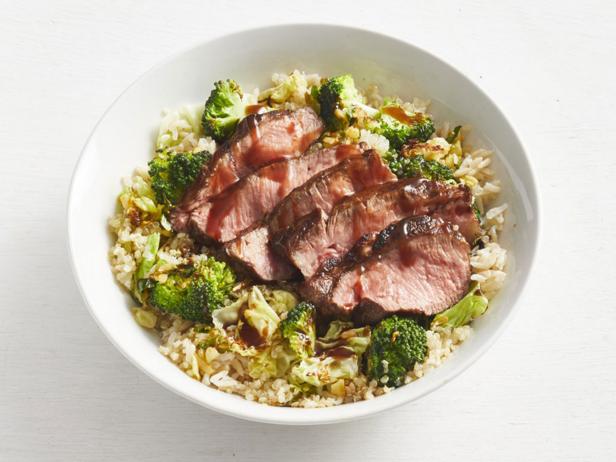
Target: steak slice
x,y
253,252
255,195
318,288
258,140
420,265
319,237
322,191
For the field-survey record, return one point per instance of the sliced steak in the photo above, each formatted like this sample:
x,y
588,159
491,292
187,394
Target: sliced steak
x,y
319,236
258,140
420,265
255,195
322,191
254,253
325,190
318,288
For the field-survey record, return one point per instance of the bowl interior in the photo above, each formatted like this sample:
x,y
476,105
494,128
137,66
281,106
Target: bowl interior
x,y
123,140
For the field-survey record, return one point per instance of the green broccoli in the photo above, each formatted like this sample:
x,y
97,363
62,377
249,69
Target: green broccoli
x,y
194,291
338,98
298,329
224,108
397,344
470,307
399,127
408,167
172,173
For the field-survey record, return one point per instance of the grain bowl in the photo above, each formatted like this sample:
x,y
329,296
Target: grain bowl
x,y
468,147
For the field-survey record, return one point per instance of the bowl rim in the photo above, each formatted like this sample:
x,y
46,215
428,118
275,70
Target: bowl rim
x,y
346,412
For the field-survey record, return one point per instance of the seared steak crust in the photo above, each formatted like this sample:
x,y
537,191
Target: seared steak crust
x,y
322,192
254,196
319,236
420,265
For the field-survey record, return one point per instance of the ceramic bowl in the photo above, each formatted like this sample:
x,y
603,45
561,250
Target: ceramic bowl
x,y
123,139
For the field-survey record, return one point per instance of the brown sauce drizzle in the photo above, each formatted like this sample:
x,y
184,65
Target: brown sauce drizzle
x,y
254,108
134,217
250,336
400,115
340,352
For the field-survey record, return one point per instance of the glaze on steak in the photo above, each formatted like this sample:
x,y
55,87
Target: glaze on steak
x,y
322,191
325,190
258,140
250,199
319,236
420,265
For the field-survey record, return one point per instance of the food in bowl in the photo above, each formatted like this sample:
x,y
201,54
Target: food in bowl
x,y
310,244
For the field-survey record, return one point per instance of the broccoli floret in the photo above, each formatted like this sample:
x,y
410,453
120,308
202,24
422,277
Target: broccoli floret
x,y
224,108
408,167
399,127
172,173
193,292
338,98
298,329
470,307
397,344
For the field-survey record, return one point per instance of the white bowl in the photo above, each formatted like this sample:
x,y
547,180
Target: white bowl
x,y
123,139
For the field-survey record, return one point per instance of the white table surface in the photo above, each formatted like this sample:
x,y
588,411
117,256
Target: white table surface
x,y
547,389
